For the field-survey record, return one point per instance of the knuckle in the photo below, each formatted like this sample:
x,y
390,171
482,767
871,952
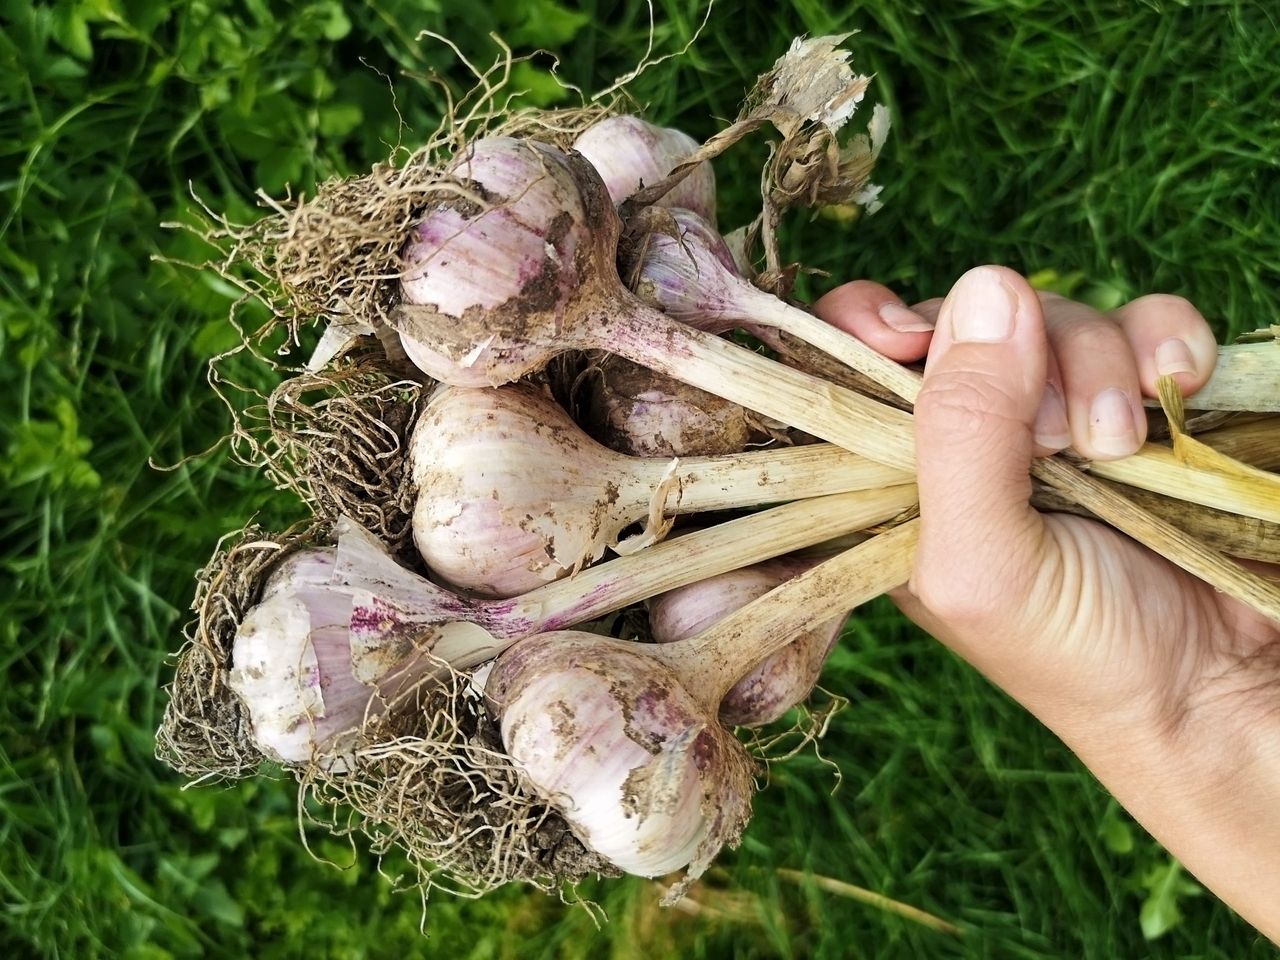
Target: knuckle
x,y
964,404
1164,308
1084,329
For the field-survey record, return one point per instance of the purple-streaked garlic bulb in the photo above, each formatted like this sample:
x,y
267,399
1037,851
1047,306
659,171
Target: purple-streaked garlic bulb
x,y
510,249
630,153
338,633
511,493
648,778
782,680
291,661
623,738
635,411
688,272
516,264
685,268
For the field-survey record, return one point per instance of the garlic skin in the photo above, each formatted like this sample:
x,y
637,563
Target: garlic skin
x,y
642,774
692,277
511,494
644,414
520,250
630,153
546,514
778,683
291,661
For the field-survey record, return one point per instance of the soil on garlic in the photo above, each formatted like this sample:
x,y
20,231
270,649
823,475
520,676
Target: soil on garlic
x,y
432,780
205,729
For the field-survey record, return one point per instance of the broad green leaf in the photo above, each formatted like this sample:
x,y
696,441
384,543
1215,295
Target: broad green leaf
x,y
546,23
540,88
1166,885
339,119
71,30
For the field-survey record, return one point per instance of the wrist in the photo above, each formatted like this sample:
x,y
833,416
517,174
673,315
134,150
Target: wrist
x,y
1204,780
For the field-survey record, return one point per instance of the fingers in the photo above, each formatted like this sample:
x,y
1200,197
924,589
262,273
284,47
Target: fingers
x,y
929,309
1051,430
981,542
1168,336
1099,380
876,316
1098,369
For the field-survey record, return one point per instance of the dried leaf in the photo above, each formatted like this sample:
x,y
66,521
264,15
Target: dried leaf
x,y
810,83
1199,455
337,337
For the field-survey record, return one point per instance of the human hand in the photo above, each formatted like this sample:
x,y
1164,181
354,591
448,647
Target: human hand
x,y
1167,689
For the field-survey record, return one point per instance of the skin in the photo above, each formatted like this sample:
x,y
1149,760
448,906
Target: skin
x,y
1167,690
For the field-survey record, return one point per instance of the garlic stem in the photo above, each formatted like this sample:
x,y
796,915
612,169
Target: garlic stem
x,y
706,553
857,423
711,662
1246,377
736,480
512,493
1255,442
1237,493
693,277
758,307
435,625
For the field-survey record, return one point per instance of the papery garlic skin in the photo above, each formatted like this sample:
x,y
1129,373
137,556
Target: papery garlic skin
x,y
540,511
778,683
291,661
631,760
644,414
522,244
691,276
630,153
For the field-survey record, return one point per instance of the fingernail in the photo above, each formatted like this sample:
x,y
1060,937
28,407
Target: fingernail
x,y
1174,356
981,308
904,319
1051,428
1111,428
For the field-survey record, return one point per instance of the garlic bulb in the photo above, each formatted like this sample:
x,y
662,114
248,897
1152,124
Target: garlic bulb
x,y
648,780
506,200
291,661
623,738
522,246
694,277
340,632
630,153
782,680
512,494
644,414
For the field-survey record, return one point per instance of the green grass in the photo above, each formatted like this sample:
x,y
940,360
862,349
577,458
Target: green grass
x,y
1129,146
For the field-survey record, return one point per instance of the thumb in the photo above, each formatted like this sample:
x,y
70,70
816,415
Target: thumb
x,y
981,544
